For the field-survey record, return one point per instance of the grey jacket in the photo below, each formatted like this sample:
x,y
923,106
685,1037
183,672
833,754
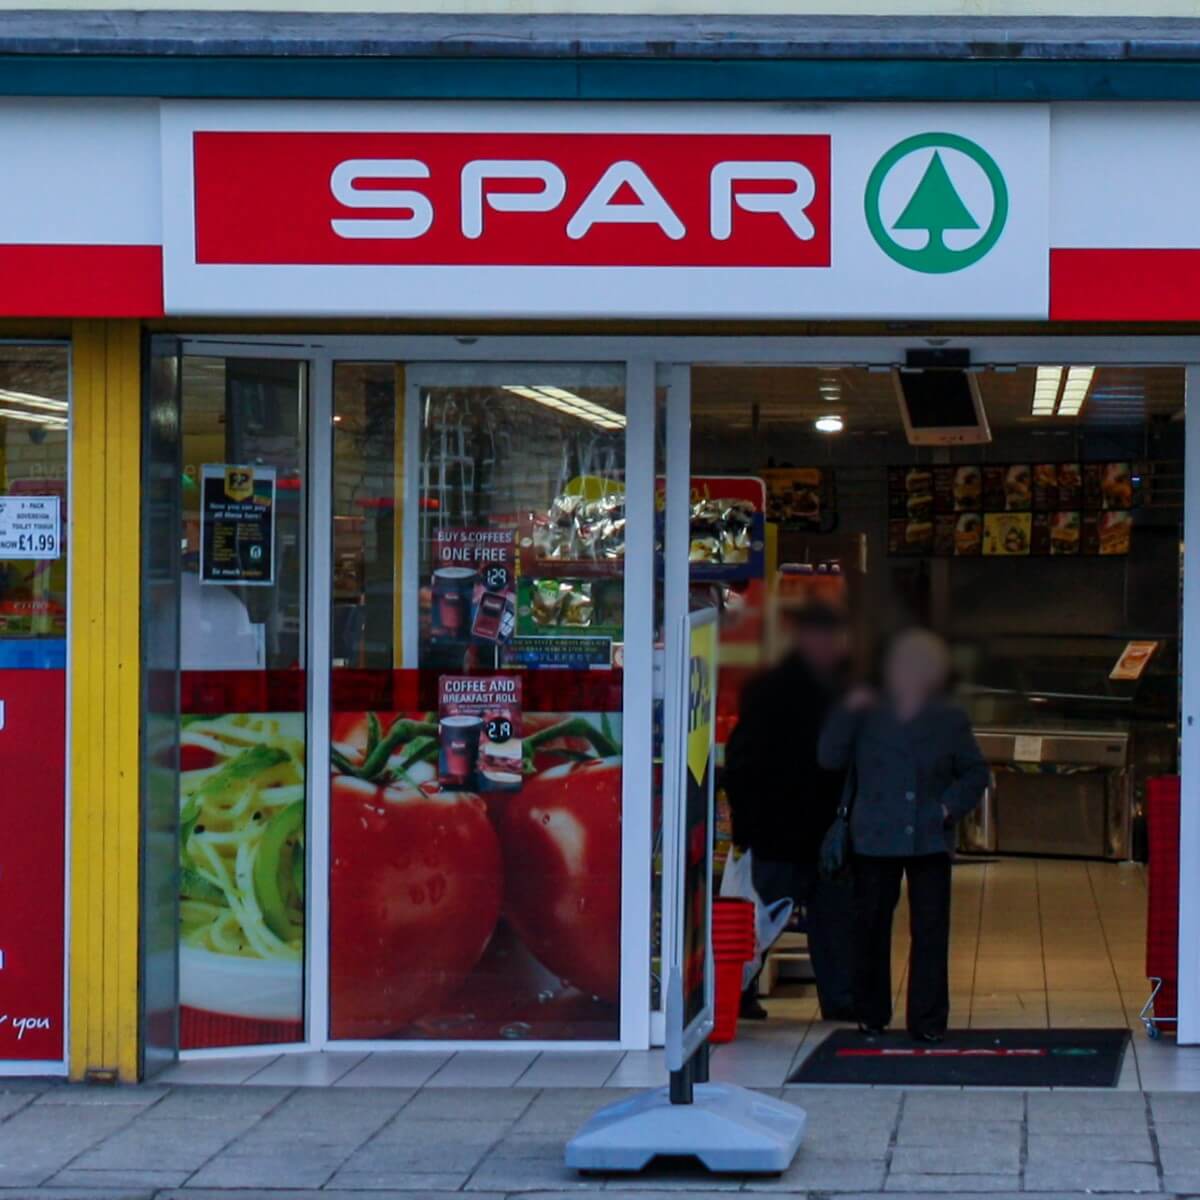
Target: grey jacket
x,y
903,774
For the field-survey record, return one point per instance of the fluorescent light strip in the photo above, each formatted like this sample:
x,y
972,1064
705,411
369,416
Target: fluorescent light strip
x,y
33,418
7,397
571,404
1075,391
1045,390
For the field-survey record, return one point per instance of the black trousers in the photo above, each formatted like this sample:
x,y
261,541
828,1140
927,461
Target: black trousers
x,y
829,918
876,894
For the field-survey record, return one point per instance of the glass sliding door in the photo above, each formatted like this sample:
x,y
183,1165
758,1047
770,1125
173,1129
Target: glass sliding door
x,y
477,694
241,753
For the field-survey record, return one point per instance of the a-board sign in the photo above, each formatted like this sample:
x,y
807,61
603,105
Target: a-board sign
x,y
690,973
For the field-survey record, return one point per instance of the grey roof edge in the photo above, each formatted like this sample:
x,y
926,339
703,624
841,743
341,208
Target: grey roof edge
x,y
206,33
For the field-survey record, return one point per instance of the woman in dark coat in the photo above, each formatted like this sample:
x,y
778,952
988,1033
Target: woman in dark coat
x,y
917,771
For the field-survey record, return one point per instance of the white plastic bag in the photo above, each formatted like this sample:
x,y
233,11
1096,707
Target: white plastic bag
x,y
770,920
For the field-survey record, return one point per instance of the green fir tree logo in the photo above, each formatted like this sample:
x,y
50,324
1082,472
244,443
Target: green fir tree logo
x,y
935,206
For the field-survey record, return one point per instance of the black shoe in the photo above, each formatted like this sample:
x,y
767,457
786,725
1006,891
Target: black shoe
x,y
930,1039
871,1031
750,1009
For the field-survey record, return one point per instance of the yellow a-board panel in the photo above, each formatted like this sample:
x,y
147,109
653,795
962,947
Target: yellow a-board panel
x,y
105,685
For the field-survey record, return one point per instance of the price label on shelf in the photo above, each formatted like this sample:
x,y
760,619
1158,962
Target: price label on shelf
x,y
30,527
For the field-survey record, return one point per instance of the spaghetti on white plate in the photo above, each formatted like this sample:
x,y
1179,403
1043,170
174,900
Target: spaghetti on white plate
x,y
242,836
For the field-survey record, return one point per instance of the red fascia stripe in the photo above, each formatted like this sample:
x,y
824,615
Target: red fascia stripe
x,y
81,281
1125,285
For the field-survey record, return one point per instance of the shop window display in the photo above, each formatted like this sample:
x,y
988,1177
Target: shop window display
x,y
476,739
242,738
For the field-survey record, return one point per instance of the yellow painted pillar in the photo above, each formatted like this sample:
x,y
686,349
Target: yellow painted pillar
x,y
105,684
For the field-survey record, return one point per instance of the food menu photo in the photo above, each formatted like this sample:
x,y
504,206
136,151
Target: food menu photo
x,y
1011,509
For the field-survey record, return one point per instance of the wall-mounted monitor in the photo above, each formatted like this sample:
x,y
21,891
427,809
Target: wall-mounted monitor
x,y
941,407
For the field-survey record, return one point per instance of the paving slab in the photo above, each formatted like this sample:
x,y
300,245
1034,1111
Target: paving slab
x,y
216,1103
950,1104
952,1184
488,1104
1133,1145
104,1096
150,1178
1079,1177
498,1174
955,1158
924,1129
292,1194
292,1167
406,1181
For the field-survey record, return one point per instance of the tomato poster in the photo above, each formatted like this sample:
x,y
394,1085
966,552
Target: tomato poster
x,y
473,592
241,879
237,524
479,724
462,914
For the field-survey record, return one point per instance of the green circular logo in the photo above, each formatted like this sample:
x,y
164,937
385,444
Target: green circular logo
x,y
935,206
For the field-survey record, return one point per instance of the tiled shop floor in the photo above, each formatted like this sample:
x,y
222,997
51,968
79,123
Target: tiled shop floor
x,y
1036,943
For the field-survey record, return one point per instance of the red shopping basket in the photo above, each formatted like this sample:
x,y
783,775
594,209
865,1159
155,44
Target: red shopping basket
x,y
733,947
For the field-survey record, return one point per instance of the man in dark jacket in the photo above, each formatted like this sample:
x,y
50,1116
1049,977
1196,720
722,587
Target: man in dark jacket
x,y
782,801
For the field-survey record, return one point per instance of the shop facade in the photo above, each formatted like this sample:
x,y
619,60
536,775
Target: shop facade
x,y
359,483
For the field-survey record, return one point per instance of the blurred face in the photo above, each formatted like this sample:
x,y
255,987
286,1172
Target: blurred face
x,y
824,650
916,670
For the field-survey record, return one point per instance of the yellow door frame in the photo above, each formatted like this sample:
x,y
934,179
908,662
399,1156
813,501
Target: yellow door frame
x,y
105,855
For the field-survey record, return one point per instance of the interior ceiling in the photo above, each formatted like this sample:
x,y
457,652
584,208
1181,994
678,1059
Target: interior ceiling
x,y
796,396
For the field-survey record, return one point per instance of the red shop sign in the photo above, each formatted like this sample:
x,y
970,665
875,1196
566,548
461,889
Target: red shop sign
x,y
512,199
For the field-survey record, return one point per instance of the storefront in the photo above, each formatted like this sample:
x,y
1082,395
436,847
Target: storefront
x,y
360,484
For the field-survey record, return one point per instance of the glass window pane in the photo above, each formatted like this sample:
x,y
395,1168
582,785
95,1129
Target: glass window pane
x,y
242,746
477,695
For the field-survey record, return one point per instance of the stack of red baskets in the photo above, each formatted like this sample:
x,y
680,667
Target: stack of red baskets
x,y
733,947
1162,909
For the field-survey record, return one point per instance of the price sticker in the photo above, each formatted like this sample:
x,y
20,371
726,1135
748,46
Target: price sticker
x,y
30,527
499,730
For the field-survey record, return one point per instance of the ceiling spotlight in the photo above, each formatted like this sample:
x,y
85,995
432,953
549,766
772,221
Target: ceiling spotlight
x,y
831,423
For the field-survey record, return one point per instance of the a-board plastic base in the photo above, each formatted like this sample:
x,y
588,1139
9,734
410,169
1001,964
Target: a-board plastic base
x,y
726,1128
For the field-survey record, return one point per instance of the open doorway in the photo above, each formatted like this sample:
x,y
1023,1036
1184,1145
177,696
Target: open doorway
x,y
1048,556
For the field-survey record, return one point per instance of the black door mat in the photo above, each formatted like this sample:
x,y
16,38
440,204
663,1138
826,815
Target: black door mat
x,y
1020,1058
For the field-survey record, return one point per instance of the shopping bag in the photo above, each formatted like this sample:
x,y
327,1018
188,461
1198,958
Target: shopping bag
x,y
770,920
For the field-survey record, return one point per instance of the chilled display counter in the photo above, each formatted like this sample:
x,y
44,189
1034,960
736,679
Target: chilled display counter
x,y
1056,792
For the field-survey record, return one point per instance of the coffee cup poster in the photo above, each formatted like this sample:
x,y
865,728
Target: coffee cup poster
x,y
479,732
473,593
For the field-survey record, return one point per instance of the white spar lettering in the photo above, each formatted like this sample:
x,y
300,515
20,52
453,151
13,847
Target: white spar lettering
x,y
651,209
597,207
347,174
475,194
790,206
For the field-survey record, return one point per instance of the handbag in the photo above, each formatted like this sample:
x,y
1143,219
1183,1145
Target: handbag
x,y
833,861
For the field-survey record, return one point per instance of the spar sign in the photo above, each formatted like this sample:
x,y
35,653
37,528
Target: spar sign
x,y
656,211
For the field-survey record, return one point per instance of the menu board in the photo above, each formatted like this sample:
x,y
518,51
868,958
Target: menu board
x,y
800,498
1011,509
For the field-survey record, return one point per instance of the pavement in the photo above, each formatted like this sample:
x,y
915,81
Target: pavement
x,y
161,1142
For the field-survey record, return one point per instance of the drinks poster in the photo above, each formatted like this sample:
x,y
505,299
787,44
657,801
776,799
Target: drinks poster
x,y
237,526
479,733
473,595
